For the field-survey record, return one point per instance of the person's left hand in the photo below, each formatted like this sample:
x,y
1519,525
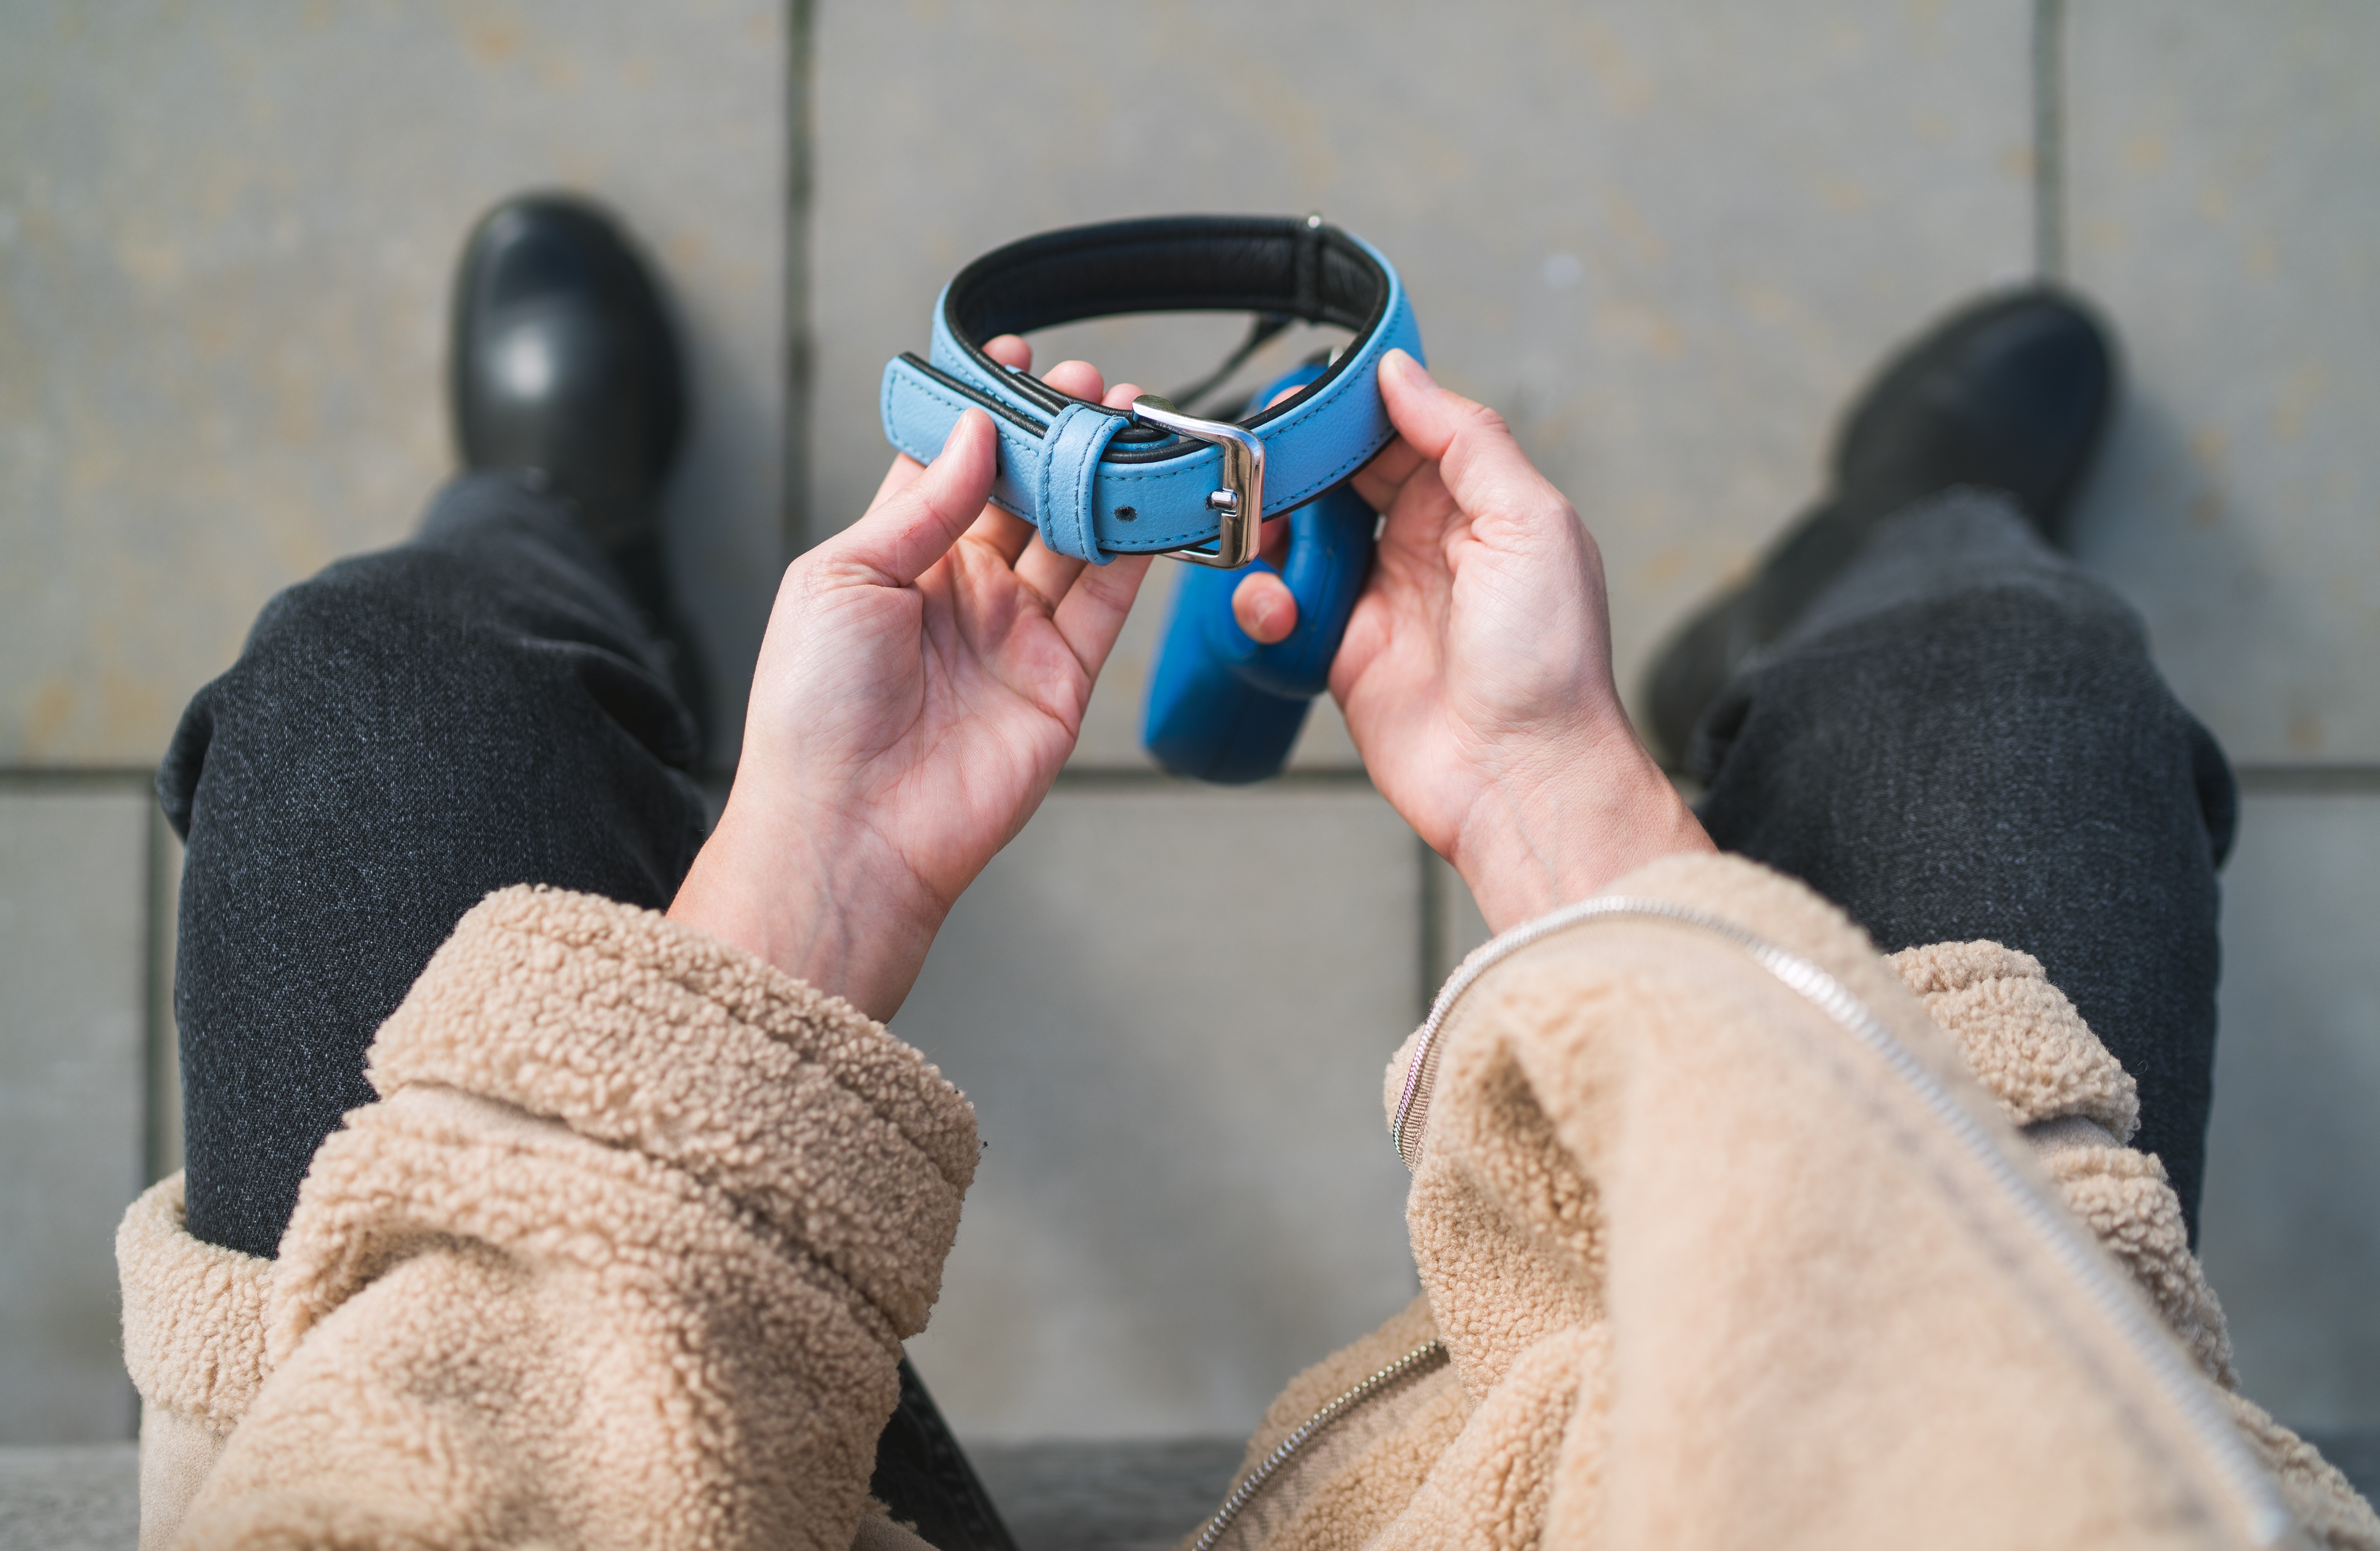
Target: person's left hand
x,y
923,679
1476,673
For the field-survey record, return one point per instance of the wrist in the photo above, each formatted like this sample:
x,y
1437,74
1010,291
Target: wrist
x,y
1550,835
833,916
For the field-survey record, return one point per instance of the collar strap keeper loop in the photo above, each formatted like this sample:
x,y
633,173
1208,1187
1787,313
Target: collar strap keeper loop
x,y
1069,473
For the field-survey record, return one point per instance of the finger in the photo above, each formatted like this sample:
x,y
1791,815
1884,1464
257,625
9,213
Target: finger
x,y
1378,481
1092,612
917,525
1122,394
1482,463
1417,522
1009,350
1046,571
1264,607
900,477
1005,532
1079,378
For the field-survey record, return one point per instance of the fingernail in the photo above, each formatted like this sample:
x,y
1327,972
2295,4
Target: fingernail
x,y
1409,368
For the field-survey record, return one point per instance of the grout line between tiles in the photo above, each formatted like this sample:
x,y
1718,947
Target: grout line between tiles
x,y
76,778
2309,780
800,365
2049,138
1144,779
2253,776
1433,929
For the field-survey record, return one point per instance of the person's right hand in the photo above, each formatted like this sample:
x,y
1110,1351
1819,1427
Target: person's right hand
x,y
924,676
1476,674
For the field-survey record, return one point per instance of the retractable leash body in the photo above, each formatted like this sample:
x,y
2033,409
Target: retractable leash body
x,y
1100,482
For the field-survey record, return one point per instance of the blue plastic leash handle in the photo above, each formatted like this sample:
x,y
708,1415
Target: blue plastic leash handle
x,y
1222,707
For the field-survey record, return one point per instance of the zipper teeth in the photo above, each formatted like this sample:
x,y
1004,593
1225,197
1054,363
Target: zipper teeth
x,y
2066,1240
1421,1071
1429,1354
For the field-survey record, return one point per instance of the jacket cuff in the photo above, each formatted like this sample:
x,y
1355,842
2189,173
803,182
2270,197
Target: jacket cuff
x,y
193,1312
2023,1041
639,1033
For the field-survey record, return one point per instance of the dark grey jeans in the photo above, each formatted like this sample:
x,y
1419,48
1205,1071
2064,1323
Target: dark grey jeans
x,y
401,735
1964,737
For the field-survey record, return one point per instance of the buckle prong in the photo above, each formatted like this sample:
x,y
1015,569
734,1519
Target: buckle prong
x,y
1241,501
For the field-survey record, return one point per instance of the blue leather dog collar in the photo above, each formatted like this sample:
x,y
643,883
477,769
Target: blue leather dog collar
x,y
1100,482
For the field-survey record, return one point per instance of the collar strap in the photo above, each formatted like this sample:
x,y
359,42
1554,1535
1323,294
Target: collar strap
x,y
1100,482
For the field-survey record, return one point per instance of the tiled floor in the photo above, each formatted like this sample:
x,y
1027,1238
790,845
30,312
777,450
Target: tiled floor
x,y
1665,241
2218,165
225,235
1187,1192
2292,1227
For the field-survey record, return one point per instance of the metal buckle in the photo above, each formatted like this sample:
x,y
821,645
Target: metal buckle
x,y
1241,501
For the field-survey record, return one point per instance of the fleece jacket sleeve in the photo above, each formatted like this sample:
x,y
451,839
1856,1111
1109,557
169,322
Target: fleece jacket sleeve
x,y
621,1257
1723,1261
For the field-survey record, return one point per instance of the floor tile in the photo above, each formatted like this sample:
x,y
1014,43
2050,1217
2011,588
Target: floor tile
x,y
225,234
1456,925
2291,1229
1108,1497
73,879
84,1498
1173,1009
2221,161
1664,241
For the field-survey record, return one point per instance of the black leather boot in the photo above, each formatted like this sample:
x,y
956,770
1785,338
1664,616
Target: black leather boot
x,y
2010,394
563,365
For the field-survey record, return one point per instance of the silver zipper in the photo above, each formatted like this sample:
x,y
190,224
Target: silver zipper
x,y
2069,1242
1428,1356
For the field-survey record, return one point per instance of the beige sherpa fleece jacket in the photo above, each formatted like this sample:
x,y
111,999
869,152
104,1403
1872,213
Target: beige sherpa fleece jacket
x,y
624,1253
623,1257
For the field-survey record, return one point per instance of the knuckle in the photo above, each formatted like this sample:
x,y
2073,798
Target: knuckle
x,y
1484,421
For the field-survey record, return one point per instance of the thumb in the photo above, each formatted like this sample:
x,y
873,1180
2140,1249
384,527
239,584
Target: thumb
x,y
905,532
1479,460
1263,608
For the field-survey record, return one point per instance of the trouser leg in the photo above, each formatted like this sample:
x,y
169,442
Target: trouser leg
x,y
1964,737
401,735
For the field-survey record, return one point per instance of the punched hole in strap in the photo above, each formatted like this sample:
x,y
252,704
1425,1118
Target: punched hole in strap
x,y
1066,490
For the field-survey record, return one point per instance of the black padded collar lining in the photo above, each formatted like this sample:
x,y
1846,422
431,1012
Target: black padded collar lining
x,y
1171,263
1168,264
